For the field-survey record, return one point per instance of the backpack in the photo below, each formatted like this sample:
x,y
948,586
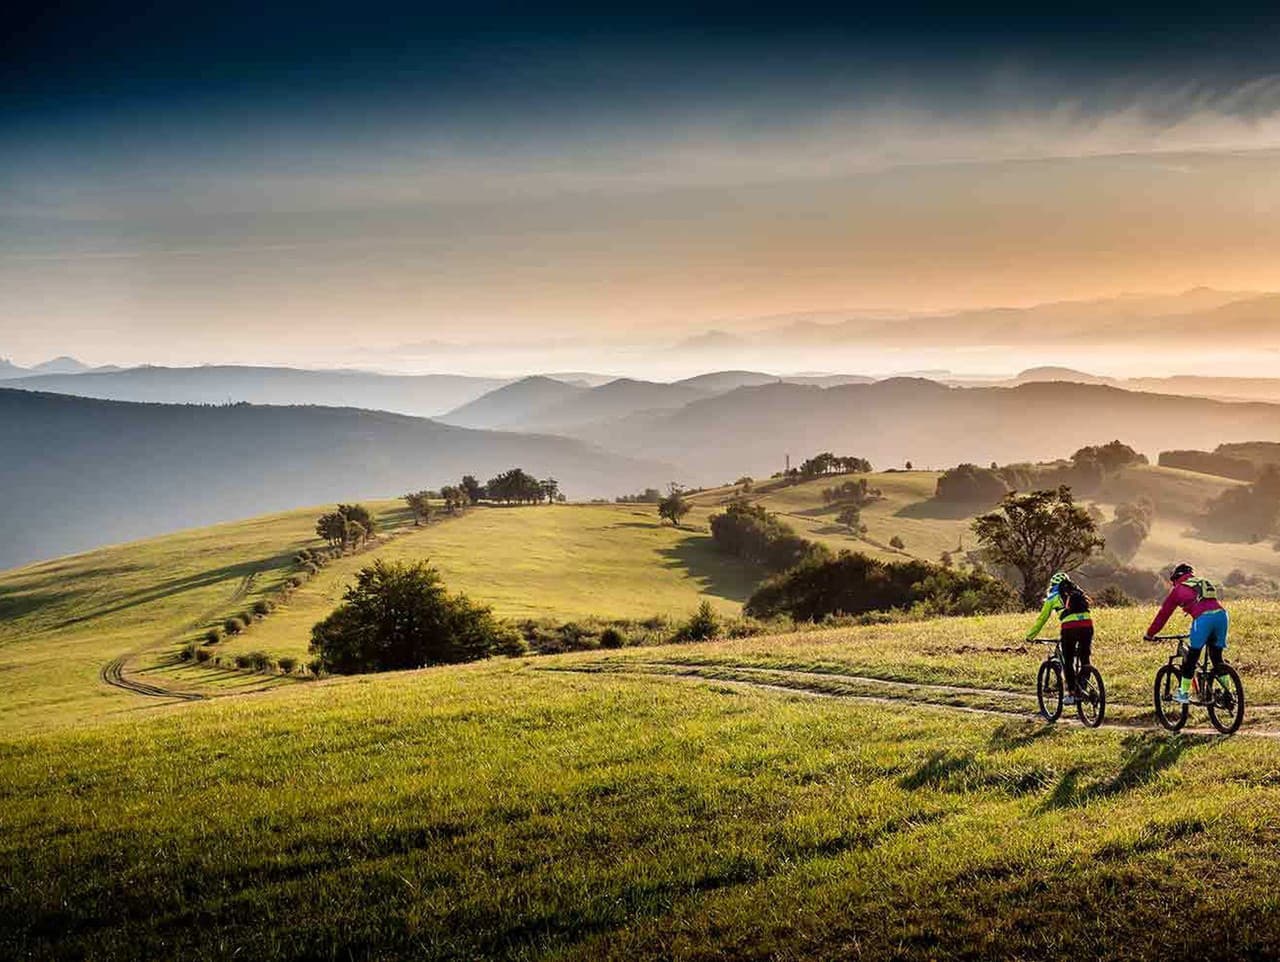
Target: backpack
x,y
1205,589
1075,601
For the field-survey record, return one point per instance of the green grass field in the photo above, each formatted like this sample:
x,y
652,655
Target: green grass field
x,y
864,792
588,806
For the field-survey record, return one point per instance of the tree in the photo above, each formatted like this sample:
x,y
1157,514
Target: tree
x,y
970,484
673,507
400,616
897,543
333,528
419,503
1037,534
851,518
516,486
361,516
550,489
473,489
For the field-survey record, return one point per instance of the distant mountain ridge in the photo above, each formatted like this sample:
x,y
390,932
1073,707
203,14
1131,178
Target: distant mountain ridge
x,y
420,395
81,472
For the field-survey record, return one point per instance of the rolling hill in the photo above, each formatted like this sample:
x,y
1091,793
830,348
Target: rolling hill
x,y
751,430
514,403
423,395
619,398
80,473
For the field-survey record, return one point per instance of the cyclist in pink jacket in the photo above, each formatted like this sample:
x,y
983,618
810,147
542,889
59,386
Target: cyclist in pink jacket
x,y
1198,597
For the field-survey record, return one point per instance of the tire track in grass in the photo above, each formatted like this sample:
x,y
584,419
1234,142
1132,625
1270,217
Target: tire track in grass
x,y
796,682
115,672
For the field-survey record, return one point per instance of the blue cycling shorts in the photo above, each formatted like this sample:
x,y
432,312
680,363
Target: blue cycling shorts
x,y
1210,627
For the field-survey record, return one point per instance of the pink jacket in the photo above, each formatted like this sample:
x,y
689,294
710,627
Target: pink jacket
x,y
1185,598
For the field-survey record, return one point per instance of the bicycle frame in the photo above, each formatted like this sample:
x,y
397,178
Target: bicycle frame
x,y
1202,677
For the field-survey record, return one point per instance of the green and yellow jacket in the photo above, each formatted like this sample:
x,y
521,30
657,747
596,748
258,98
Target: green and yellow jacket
x,y
1055,602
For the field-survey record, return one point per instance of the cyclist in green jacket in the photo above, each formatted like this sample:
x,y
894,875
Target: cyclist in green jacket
x,y
1076,627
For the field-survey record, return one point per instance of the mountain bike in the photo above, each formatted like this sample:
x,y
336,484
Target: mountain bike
x,y
1224,699
1091,692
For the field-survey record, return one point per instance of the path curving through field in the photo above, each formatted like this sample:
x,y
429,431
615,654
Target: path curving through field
x,y
865,688
115,672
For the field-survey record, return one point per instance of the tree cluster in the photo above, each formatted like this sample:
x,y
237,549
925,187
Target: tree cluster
x,y
1211,462
856,493
419,503
516,486
647,496
851,584
1248,513
399,616
970,484
350,526
1132,524
754,534
828,463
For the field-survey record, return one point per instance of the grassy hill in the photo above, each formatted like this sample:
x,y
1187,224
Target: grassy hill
x,y
762,798
80,472
62,621
928,528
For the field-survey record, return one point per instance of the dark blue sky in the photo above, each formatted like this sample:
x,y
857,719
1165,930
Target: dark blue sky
x,y
66,59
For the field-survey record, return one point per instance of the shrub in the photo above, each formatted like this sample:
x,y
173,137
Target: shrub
x,y
294,582
852,583
262,607
316,667
970,484
212,636
703,625
260,660
287,663
399,616
897,542
750,532
303,556
243,661
203,655
612,638
233,626
311,568
1113,596
188,651
246,616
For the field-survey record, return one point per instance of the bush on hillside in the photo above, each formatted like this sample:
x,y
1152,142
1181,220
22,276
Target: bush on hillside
x,y
260,661
243,662
262,607
852,584
897,543
287,663
754,534
703,625
203,655
612,638
212,636
1113,596
970,484
233,626
399,616
188,652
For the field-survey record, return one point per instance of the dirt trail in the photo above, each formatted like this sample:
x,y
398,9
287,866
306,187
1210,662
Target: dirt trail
x,y
116,674
793,682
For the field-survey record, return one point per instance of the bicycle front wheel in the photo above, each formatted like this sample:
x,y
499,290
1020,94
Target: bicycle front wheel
x,y
1091,702
1049,690
1226,701
1169,713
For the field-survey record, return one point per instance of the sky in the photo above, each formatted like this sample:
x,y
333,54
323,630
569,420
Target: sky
x,y
410,187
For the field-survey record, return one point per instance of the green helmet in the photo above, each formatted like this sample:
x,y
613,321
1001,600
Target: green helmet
x,y
1058,578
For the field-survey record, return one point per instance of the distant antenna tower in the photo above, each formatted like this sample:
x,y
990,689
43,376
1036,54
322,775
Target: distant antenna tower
x,y
788,471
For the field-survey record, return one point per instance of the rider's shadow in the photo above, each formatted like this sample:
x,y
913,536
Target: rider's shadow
x,y
1145,756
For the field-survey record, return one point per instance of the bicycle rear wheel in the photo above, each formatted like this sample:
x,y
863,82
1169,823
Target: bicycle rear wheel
x,y
1226,701
1049,690
1169,713
1091,702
